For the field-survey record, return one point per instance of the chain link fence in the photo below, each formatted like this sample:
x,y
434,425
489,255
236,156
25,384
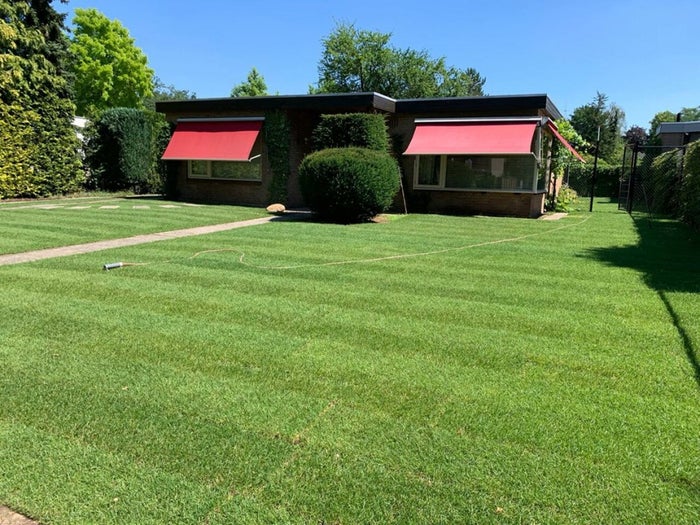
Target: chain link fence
x,y
649,180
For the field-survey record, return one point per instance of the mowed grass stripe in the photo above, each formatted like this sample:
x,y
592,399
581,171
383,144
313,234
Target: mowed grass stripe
x,y
433,389
25,228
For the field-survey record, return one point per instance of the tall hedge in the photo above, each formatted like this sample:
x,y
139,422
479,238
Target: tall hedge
x,y
664,182
690,187
120,153
607,180
349,184
360,130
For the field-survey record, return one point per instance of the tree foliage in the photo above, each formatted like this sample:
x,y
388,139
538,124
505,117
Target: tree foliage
x,y
39,146
636,135
609,118
163,92
253,86
357,60
110,71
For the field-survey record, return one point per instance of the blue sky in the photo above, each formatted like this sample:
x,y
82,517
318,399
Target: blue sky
x,y
644,55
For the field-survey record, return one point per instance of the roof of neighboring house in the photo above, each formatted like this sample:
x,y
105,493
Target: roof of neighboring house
x,y
679,127
514,104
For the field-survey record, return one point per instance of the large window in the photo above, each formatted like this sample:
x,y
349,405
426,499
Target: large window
x,y
476,172
244,170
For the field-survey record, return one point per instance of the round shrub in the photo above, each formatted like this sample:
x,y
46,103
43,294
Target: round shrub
x,y
348,184
347,130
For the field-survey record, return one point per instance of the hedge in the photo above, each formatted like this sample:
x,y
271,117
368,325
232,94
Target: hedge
x,y
690,186
607,180
348,184
360,130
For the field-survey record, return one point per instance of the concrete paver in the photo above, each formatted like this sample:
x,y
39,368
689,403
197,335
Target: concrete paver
x,y
76,249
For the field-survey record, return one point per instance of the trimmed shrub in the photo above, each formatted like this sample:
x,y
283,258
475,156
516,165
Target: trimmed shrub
x,y
664,181
120,150
690,187
349,184
607,180
359,130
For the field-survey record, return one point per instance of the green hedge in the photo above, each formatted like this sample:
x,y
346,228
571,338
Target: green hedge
x,y
690,187
119,154
349,184
664,181
360,130
607,180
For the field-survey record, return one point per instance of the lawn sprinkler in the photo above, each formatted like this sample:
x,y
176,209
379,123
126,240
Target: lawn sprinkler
x,y
112,266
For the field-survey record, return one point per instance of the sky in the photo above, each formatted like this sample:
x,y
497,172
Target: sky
x,y
644,55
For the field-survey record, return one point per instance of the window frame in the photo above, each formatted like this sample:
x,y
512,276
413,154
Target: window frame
x,y
443,176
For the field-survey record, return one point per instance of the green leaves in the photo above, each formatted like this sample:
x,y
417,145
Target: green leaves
x,y
254,86
110,71
356,60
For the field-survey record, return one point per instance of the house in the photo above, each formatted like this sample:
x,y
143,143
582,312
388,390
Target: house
x,y
467,155
675,134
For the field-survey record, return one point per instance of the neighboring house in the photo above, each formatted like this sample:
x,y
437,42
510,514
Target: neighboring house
x,y
466,155
674,134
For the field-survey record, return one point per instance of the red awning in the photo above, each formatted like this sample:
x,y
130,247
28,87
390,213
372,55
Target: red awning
x,y
213,140
555,132
472,138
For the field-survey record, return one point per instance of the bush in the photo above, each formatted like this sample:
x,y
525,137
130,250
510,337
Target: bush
x,y
566,198
120,151
690,187
360,130
607,179
664,181
348,184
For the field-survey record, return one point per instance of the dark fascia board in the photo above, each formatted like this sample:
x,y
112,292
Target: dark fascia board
x,y
324,102
501,104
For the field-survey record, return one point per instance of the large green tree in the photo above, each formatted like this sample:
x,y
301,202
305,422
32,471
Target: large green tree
x,y
355,60
38,145
606,117
110,70
253,86
164,92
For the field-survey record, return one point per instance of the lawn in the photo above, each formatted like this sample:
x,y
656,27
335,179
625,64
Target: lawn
x,y
51,223
423,370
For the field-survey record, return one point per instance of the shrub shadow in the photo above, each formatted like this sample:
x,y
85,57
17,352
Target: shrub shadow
x,y
668,255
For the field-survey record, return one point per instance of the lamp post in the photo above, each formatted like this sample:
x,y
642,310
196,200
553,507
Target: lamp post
x,y
595,169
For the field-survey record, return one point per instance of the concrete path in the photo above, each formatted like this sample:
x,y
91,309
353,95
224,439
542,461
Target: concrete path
x,y
7,517
76,249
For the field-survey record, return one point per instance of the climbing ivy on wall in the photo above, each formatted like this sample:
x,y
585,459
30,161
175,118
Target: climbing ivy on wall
x,y
277,138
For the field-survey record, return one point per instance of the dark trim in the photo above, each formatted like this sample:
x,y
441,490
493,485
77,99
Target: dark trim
x,y
321,103
506,104
513,104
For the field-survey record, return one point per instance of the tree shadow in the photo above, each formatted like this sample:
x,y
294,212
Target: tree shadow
x,y
668,255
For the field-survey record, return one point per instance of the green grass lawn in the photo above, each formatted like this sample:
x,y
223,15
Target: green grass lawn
x,y
240,378
51,223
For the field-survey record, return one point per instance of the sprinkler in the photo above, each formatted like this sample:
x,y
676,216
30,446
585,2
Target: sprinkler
x,y
112,266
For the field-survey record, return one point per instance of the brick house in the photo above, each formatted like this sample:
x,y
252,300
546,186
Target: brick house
x,y
487,155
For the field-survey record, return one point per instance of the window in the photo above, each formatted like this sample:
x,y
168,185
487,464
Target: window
x,y
243,170
476,172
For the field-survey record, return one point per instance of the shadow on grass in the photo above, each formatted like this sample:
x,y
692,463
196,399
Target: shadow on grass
x,y
668,254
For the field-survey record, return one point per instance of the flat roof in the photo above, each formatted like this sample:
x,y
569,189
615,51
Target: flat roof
x,y
692,126
515,104
322,102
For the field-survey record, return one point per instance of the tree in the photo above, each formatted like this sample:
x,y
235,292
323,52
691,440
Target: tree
x,y
608,118
636,135
356,60
110,71
253,86
39,146
163,92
